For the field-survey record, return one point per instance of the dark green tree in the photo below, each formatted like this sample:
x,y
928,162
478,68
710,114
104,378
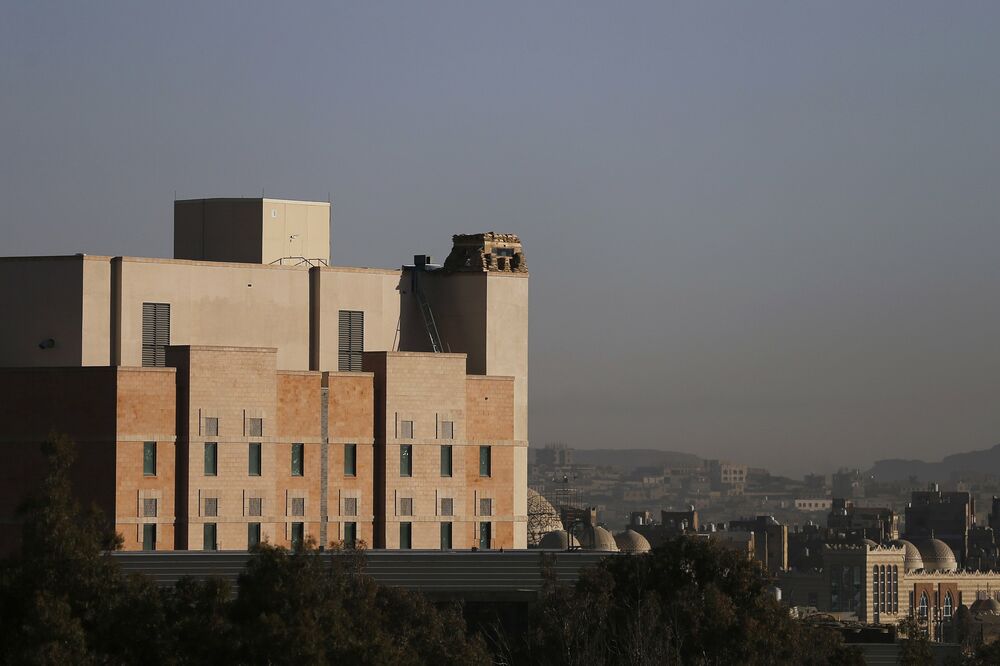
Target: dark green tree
x,y
687,602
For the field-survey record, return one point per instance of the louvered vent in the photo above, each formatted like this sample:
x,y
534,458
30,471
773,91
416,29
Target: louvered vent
x,y
352,340
155,334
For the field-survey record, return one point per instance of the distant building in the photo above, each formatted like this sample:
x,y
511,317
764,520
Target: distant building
x,y
725,475
554,455
876,523
813,504
770,541
847,483
948,516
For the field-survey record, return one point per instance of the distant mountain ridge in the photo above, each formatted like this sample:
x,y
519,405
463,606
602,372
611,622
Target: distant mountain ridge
x,y
973,462
632,458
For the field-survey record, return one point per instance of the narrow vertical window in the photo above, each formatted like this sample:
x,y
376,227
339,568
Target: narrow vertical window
x,y
350,534
298,534
298,459
406,460
446,460
211,458
149,536
445,536
253,464
350,459
485,536
405,536
352,340
149,458
253,535
155,334
485,461
210,541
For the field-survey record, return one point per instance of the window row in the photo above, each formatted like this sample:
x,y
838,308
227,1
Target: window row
x,y
446,506
445,430
447,458
255,506
446,533
254,464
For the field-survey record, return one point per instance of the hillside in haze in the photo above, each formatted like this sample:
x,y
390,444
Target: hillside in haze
x,y
971,462
631,458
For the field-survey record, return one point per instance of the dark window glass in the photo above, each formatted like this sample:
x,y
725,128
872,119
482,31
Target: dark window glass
x,y
298,534
254,462
210,541
446,460
485,536
211,458
298,459
350,459
149,458
350,533
253,535
445,536
406,460
406,536
149,536
485,461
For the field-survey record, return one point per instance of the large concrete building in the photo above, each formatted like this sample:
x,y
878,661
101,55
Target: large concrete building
x,y
248,390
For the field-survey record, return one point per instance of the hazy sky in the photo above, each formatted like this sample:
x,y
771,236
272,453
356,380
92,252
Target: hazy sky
x,y
763,231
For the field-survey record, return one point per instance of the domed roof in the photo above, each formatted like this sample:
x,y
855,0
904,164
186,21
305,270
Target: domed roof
x,y
631,541
598,538
558,540
936,555
542,518
868,542
911,555
990,605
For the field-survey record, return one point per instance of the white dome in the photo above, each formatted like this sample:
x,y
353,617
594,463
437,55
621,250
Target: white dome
x,y
558,540
631,541
598,538
542,518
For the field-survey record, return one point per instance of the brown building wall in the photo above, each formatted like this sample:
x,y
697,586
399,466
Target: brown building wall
x,y
351,421
299,403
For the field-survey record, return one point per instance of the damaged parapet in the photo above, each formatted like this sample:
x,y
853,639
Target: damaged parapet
x,y
488,252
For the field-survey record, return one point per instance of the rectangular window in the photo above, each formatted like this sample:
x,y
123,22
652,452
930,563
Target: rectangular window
x,y
298,459
352,340
485,461
253,535
149,536
350,533
298,506
406,506
211,458
447,506
149,508
446,460
445,536
253,466
350,459
406,536
485,536
447,430
406,460
210,541
155,334
149,458
256,427
211,426
298,534
406,429
486,507
255,506
211,506
350,506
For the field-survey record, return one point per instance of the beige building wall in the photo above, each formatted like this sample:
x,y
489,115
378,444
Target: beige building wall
x,y
232,385
256,230
96,315
370,290
239,305
351,420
